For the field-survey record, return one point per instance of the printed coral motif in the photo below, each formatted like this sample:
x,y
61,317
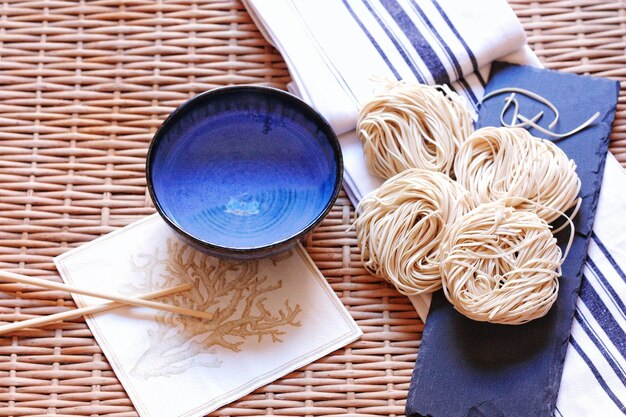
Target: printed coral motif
x,y
233,291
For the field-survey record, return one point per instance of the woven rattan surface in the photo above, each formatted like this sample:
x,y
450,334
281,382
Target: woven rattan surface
x,y
84,85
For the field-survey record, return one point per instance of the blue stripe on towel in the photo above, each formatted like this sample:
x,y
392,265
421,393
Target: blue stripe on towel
x,y
602,348
460,38
371,39
421,45
395,42
596,373
474,100
617,301
603,316
433,30
608,256
449,53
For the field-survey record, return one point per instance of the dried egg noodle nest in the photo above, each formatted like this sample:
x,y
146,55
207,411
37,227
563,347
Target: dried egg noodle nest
x,y
400,226
411,125
528,173
500,265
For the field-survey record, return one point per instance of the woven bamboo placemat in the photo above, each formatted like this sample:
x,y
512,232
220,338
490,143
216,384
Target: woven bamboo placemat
x,y
83,87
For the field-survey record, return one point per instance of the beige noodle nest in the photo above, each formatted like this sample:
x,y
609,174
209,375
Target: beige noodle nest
x,y
529,173
500,265
400,226
411,125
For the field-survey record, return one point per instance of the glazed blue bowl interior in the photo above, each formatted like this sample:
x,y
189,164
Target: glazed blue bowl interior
x,y
244,168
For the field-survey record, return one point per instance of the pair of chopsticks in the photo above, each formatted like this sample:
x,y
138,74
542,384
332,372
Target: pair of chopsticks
x,y
116,301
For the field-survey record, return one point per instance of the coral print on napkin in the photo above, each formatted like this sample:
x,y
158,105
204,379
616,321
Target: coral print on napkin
x,y
270,317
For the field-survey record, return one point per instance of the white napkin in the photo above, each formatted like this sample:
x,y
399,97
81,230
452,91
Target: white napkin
x,y
334,47
264,324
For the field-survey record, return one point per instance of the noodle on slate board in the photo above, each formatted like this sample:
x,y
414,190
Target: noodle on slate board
x,y
498,163
400,226
411,125
500,265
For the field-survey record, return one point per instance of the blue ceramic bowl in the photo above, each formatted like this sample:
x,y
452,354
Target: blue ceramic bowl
x,y
244,171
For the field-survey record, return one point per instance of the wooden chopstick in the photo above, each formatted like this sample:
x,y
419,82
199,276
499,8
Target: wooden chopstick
x,y
77,312
23,279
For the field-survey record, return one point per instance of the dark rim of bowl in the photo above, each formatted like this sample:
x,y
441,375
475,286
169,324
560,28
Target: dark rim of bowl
x,y
310,111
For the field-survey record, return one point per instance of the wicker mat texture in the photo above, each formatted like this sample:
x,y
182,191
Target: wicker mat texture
x,y
83,87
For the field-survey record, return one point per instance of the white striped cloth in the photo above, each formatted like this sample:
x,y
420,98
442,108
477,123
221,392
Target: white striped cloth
x,y
427,41
333,48
594,374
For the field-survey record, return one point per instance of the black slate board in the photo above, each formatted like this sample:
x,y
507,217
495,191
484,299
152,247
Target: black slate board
x,y
472,369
